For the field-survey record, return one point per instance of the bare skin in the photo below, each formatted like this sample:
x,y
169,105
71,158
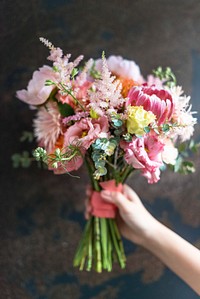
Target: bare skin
x,y
140,227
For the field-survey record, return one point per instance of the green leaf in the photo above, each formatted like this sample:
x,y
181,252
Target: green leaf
x,y
165,128
27,136
178,164
146,129
65,109
188,167
49,83
74,73
16,160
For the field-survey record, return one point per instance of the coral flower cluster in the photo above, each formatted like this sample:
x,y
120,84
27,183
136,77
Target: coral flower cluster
x,y
104,113
106,101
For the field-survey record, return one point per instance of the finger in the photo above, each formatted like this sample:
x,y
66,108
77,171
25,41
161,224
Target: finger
x,y
88,190
116,198
131,194
88,209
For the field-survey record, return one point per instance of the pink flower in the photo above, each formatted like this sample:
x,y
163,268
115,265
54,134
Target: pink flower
x,y
68,166
151,80
145,153
123,68
157,100
37,93
86,131
79,91
48,126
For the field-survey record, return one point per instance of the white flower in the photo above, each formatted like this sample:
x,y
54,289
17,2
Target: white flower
x,y
169,153
182,116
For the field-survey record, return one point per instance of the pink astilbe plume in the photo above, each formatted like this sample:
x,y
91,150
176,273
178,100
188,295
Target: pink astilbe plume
x,y
61,63
75,117
47,126
106,94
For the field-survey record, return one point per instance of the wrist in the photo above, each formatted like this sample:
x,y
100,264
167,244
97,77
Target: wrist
x,y
151,232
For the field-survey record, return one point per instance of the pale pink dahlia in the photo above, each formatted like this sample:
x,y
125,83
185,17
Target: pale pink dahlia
x,y
145,153
158,101
47,126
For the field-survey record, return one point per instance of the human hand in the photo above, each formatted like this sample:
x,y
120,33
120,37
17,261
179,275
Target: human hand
x,y
135,222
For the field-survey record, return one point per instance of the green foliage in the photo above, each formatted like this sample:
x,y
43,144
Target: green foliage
x,y
27,136
116,120
49,83
165,128
21,160
183,167
107,146
147,129
65,109
94,73
103,148
167,76
128,137
74,73
40,154
185,150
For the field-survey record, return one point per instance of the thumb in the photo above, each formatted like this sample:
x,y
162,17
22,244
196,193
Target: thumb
x,y
116,198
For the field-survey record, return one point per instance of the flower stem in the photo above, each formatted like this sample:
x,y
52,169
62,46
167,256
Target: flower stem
x,y
104,241
116,245
98,245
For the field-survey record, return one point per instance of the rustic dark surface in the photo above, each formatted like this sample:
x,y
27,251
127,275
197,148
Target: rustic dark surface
x,y
41,214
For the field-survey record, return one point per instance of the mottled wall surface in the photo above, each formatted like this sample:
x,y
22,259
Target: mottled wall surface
x,y
42,214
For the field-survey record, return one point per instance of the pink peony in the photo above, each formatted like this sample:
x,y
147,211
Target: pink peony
x,y
86,131
157,100
145,153
37,93
122,67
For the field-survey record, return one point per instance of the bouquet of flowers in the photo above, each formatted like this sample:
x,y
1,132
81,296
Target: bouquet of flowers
x,y
104,113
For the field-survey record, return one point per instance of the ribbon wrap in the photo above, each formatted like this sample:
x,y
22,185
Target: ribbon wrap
x,y
103,209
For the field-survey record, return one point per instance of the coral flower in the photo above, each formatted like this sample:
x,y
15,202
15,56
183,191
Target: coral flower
x,y
158,101
86,131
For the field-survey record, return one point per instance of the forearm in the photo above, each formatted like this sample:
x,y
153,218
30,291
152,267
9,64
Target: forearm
x,y
176,253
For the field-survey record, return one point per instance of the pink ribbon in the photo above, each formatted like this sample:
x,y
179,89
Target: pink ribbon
x,y
101,208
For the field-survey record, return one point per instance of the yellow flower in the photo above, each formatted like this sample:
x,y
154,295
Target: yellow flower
x,y
138,119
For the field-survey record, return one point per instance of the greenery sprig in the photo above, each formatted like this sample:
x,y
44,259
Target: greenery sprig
x,y
167,76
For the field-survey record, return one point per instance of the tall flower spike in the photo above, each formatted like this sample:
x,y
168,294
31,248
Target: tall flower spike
x,y
107,96
47,43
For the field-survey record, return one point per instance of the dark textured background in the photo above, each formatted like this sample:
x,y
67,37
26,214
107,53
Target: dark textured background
x,y
41,214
